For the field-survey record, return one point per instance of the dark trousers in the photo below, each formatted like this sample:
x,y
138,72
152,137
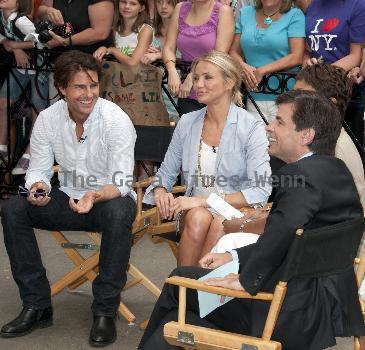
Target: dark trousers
x,y
112,218
226,317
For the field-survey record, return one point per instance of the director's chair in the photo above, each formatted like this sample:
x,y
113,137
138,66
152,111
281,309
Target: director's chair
x,y
86,269
310,255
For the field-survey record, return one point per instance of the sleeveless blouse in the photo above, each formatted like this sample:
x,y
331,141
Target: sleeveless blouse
x,y
193,41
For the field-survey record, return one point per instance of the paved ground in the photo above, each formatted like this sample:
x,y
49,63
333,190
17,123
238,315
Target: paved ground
x,y
72,315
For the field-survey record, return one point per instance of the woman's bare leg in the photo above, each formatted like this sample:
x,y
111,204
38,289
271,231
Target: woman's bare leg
x,y
214,234
196,226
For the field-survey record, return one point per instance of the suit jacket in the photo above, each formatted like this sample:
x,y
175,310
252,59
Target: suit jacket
x,y
313,192
242,162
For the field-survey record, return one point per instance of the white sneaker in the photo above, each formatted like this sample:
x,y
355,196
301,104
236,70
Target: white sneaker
x,y
22,165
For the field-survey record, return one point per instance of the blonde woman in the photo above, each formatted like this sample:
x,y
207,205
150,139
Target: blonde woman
x,y
221,149
269,38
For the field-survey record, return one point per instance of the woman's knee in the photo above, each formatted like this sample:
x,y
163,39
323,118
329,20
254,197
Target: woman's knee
x,y
197,223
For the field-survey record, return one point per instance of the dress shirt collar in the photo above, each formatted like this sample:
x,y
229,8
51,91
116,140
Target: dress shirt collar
x,y
95,113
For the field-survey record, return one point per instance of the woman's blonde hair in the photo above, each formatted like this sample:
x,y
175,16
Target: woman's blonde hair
x,y
286,5
229,69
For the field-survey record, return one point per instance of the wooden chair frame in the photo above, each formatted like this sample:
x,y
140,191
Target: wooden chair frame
x,y
86,269
189,336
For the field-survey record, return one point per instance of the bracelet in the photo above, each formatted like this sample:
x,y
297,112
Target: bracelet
x,y
167,61
242,226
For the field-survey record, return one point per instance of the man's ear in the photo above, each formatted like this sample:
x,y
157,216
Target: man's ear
x,y
62,91
308,136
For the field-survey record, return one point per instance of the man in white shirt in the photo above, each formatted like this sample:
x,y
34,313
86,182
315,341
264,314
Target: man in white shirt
x,y
93,141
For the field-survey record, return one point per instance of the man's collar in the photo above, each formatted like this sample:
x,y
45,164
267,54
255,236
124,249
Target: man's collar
x,y
308,154
93,115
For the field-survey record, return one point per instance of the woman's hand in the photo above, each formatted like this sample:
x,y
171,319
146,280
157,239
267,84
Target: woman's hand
x,y
150,57
355,75
56,40
186,87
55,16
249,76
185,203
21,58
164,202
312,61
100,53
8,45
174,82
258,75
154,49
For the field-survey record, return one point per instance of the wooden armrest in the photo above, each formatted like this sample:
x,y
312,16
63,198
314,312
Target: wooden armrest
x,y
144,183
199,285
178,189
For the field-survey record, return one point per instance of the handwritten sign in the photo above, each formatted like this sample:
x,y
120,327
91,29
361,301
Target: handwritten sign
x,y
137,90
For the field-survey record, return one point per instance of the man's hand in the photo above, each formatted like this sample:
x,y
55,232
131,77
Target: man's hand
x,y
230,281
34,198
214,260
85,204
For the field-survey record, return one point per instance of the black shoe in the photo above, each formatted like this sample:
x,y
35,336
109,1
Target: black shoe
x,y
103,331
27,321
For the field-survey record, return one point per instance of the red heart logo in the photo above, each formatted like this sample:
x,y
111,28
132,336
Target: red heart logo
x,y
330,24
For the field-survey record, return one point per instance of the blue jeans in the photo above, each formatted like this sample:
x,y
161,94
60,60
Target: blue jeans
x,y
112,218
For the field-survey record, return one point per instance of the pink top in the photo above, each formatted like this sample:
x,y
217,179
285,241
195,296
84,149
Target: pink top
x,y
194,41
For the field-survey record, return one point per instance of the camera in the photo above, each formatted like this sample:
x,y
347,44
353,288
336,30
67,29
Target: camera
x,y
42,28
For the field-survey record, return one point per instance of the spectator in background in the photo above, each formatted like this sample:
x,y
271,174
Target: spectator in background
x,y
133,33
269,38
221,149
196,28
164,10
92,22
238,4
335,32
14,26
332,82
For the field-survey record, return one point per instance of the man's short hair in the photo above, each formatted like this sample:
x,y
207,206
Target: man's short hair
x,y
71,62
330,81
311,110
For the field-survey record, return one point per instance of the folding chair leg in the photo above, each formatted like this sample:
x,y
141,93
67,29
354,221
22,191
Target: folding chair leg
x,y
75,274
137,274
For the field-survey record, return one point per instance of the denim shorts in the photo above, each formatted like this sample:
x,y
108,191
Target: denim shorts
x,y
40,102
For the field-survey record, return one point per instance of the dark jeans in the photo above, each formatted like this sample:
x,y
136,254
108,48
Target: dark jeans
x,y
112,218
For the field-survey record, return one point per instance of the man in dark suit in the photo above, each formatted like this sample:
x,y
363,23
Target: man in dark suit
x,y
315,190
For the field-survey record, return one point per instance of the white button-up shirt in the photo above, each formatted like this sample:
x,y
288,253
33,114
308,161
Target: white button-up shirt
x,y
104,155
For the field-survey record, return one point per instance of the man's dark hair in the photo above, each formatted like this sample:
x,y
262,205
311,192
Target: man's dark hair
x,y
329,81
311,110
71,62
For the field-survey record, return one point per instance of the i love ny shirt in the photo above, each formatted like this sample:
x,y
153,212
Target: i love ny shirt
x,y
331,26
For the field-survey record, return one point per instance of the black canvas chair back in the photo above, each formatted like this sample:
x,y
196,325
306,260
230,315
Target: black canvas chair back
x,y
152,142
323,251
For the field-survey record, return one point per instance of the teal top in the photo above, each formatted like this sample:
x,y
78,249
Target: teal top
x,y
262,46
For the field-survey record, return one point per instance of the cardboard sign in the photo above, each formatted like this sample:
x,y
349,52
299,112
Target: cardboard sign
x,y
137,90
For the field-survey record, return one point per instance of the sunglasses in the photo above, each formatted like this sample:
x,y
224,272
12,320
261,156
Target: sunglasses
x,y
24,192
